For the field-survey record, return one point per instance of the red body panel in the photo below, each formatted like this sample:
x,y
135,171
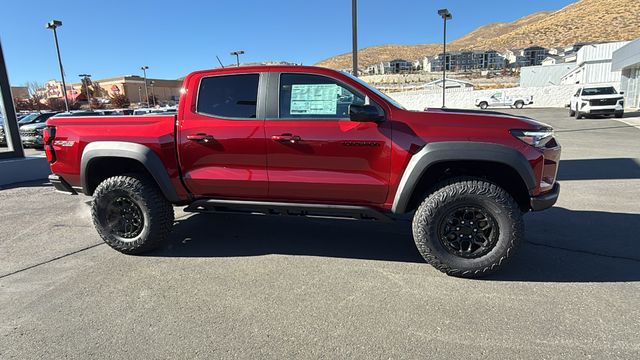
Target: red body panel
x,y
74,133
330,161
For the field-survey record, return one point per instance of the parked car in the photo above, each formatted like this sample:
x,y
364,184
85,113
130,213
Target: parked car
x,y
35,118
3,137
597,101
276,140
501,99
31,129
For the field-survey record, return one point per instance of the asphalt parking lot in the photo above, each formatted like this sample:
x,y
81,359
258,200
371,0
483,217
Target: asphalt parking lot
x,y
232,286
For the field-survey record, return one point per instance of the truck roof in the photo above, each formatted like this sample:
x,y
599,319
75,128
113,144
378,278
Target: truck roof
x,y
265,68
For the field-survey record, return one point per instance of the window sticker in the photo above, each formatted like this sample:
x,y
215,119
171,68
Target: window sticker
x,y
314,99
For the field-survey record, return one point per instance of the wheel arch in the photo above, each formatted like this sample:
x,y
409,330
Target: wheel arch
x,y
438,161
122,157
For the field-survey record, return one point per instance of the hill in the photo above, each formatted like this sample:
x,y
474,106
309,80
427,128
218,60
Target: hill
x,y
582,21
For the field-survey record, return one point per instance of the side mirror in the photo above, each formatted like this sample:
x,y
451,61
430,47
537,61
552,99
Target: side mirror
x,y
621,92
365,113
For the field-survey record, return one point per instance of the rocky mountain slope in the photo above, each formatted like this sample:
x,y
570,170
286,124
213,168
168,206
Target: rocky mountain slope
x,y
582,21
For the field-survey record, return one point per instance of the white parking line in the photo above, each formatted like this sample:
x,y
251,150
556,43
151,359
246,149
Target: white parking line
x,y
633,121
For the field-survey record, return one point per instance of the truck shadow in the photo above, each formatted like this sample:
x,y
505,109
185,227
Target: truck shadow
x,y
599,169
561,245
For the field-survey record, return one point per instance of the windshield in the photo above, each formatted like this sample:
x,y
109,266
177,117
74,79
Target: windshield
x,y
27,119
376,91
599,91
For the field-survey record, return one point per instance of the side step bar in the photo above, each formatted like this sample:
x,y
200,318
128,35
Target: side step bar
x,y
288,209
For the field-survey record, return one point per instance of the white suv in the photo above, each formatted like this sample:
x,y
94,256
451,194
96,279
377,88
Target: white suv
x,y
596,101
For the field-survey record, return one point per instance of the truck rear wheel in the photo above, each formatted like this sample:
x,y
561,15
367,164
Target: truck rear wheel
x,y
484,105
468,227
519,104
131,214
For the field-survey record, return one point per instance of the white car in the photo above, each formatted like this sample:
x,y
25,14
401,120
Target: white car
x,y
596,101
500,98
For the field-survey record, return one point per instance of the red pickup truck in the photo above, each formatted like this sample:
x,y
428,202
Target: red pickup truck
x,y
308,141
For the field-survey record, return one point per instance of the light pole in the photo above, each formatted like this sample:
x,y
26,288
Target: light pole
x,y
85,78
140,94
146,91
237,54
354,37
53,25
446,15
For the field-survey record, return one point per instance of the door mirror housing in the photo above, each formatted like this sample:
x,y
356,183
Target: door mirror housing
x,y
621,92
365,113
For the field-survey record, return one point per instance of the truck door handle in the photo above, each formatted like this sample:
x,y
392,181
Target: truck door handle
x,y
200,137
286,138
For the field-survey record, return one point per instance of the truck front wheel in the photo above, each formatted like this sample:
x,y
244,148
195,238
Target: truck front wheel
x,y
130,214
519,104
468,227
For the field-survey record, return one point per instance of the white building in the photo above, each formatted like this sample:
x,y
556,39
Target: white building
x,y
594,64
627,61
544,75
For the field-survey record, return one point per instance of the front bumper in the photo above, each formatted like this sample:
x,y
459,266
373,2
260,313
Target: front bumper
x,y
546,200
602,110
32,140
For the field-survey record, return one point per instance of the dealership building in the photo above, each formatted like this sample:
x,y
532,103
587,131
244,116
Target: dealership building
x,y
627,61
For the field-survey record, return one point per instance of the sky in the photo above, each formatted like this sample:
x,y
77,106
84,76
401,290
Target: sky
x,y
114,37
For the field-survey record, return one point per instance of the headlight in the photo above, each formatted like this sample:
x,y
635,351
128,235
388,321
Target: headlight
x,y
535,138
40,131
584,103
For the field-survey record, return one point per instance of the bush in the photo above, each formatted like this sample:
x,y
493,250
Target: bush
x,y
119,101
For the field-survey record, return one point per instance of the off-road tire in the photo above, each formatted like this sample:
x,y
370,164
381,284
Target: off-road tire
x,y
484,105
619,115
519,104
578,115
468,192
571,112
157,212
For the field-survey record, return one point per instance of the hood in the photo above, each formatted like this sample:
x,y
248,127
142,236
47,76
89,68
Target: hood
x,y
595,97
35,126
490,118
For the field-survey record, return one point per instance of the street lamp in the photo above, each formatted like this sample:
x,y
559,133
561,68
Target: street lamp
x,y
53,25
354,37
237,54
446,15
85,78
146,91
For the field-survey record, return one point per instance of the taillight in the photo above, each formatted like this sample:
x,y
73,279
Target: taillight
x,y
48,136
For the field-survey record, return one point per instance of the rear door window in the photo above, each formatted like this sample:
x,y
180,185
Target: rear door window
x,y
229,96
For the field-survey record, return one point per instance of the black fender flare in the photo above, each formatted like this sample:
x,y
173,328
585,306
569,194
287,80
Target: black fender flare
x,y
434,153
128,150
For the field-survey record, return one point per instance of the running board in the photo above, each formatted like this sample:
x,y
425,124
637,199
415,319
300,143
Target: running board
x,y
288,209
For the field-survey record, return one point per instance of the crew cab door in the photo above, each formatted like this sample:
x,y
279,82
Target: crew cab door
x,y
315,152
221,143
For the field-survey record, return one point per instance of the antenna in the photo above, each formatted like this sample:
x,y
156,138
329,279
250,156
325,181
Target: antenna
x,y
219,61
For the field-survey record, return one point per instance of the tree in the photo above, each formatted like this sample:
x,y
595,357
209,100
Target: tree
x,y
55,104
86,86
119,101
153,100
96,90
35,94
